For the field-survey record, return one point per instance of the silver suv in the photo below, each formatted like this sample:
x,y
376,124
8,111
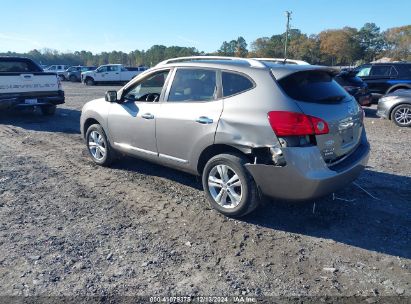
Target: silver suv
x,y
250,128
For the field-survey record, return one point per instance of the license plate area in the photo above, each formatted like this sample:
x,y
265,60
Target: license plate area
x,y
347,136
31,101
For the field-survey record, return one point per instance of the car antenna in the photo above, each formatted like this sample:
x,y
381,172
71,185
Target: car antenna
x,y
285,61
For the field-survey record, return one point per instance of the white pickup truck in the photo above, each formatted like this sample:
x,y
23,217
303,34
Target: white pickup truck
x,y
111,73
24,84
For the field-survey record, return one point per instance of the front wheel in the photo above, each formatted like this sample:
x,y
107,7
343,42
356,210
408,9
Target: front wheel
x,y
229,188
89,81
98,146
401,115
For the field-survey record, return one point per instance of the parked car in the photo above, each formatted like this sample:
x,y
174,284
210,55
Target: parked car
x,y
248,127
396,106
384,78
59,69
110,73
73,73
355,87
24,84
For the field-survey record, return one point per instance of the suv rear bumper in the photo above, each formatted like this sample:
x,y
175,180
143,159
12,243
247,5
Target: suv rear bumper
x,y
306,176
42,99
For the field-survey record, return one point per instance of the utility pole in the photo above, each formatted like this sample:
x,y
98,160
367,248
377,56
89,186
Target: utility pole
x,y
288,15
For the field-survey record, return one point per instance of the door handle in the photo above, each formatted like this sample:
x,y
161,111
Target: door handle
x,y
148,116
204,120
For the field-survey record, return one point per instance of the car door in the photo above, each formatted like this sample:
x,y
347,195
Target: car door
x,y
378,80
132,121
100,74
113,73
188,119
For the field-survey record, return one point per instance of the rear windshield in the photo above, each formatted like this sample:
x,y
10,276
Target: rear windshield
x,y
17,66
313,86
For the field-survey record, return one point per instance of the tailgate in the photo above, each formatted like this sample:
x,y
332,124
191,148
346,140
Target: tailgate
x,y
317,94
23,83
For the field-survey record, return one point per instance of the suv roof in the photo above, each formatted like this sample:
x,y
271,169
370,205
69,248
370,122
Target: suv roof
x,y
280,70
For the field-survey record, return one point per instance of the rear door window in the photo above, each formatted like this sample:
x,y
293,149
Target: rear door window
x,y
313,86
380,71
235,84
193,85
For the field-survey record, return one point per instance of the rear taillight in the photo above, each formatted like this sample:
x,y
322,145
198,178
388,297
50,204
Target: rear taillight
x,y
296,124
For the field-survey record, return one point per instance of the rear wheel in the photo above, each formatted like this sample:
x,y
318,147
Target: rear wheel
x,y
401,115
98,146
229,188
62,78
73,78
48,110
89,81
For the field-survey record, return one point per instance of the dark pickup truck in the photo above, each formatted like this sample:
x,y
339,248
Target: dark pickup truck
x,y
24,84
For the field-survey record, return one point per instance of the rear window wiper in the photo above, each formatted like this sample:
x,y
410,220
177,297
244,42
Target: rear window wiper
x,y
332,98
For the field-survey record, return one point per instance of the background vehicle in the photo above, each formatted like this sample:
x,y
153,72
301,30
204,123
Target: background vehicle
x,y
244,125
111,73
58,69
355,87
396,106
24,84
384,78
73,73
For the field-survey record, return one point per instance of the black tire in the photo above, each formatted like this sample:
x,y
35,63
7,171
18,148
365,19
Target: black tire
x,y
395,115
89,81
73,78
108,157
250,198
49,110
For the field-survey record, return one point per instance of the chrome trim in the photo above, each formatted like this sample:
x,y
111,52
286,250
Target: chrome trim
x,y
174,158
128,147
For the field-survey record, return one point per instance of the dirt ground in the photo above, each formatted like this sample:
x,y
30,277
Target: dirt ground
x,y
68,227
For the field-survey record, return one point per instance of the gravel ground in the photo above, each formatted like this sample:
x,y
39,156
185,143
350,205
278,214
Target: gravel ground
x,y
68,227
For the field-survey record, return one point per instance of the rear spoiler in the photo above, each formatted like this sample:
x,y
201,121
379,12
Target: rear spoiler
x,y
282,72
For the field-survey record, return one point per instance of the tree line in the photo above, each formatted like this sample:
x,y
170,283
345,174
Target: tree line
x,y
346,46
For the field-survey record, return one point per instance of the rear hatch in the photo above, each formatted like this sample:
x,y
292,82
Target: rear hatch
x,y
317,94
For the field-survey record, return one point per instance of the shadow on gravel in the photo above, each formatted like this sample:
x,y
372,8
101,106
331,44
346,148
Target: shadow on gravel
x,y
370,112
146,168
64,121
381,223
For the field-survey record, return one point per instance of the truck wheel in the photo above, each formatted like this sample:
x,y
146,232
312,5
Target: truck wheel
x,y
73,78
62,78
48,110
89,81
98,146
229,188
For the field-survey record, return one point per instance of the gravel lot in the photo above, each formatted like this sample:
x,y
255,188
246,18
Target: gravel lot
x,y
68,227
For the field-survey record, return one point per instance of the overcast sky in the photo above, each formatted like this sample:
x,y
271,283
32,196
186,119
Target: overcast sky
x,y
126,25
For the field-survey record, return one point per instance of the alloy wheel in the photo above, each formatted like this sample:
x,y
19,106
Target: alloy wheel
x,y
403,116
225,186
97,145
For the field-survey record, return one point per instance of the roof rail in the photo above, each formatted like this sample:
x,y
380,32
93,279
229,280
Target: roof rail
x,y
283,60
251,62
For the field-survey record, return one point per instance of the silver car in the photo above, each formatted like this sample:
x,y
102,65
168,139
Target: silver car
x,y
396,106
250,128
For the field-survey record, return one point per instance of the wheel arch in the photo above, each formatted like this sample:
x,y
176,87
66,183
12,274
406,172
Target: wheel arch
x,y
89,122
398,87
216,149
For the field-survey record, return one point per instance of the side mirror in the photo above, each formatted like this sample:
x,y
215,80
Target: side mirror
x,y
111,96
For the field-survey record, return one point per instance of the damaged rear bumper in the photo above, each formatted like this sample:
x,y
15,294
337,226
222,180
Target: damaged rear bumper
x,y
306,176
